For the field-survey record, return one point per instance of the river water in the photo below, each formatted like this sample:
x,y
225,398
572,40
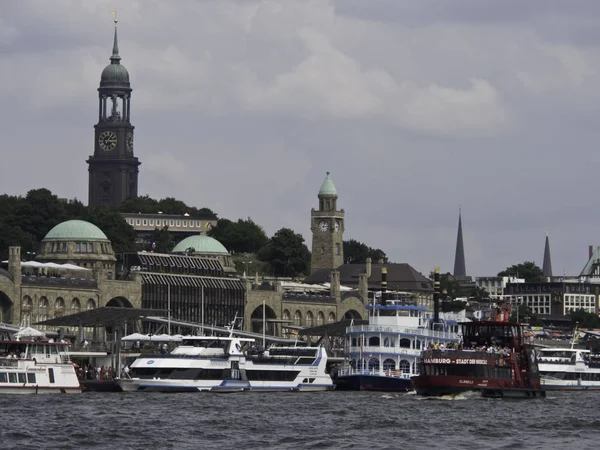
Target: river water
x,y
345,420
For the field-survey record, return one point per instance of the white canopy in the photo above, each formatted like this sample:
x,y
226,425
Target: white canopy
x,y
136,337
29,332
151,338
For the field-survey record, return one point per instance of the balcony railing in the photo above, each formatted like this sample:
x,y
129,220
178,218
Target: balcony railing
x,y
389,350
345,371
404,330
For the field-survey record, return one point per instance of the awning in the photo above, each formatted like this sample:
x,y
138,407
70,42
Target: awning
x,y
192,281
101,317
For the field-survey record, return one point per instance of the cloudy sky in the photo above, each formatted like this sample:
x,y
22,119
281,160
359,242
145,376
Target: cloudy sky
x,y
416,108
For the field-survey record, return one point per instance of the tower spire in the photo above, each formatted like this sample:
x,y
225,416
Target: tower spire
x,y
547,266
115,58
459,257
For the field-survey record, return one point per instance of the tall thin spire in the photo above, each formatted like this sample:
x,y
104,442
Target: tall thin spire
x,y
115,58
547,266
459,257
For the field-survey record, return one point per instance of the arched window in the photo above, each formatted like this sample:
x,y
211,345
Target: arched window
x,y
373,364
298,318
59,307
44,304
405,343
386,342
354,342
373,341
320,318
286,314
91,304
26,319
389,364
75,306
417,343
309,319
331,317
405,366
27,303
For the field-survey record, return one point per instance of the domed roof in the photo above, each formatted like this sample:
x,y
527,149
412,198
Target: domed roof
x,y
328,188
114,74
72,230
201,244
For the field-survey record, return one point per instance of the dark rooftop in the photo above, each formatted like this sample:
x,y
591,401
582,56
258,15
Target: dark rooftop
x,y
101,317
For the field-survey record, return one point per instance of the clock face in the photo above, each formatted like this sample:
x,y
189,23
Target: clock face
x,y
107,140
336,227
130,142
323,226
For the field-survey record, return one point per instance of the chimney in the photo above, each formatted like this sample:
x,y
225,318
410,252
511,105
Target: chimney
x,y
590,251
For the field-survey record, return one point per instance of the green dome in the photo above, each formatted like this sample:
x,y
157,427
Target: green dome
x,y
72,230
202,245
114,75
328,188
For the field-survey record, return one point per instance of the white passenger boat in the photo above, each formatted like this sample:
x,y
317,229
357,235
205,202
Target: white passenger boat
x,y
569,369
36,366
228,364
382,356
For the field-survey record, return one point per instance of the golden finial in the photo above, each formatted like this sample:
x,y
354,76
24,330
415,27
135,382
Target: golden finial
x,y
114,13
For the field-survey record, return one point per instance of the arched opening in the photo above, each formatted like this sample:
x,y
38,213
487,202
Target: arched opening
x,y
331,317
405,366
286,315
298,318
374,341
309,319
6,308
351,314
119,302
373,364
417,343
91,304
43,310
386,342
257,320
354,342
59,307
75,306
27,303
405,343
320,318
389,364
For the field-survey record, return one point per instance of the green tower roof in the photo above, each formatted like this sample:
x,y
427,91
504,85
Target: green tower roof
x,y
72,230
202,245
328,188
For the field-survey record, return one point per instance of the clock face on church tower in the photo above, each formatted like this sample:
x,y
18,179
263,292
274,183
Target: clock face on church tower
x,y
107,140
130,142
323,226
336,227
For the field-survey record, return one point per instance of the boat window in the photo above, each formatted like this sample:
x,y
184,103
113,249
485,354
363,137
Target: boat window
x,y
373,364
353,342
405,366
53,350
3,377
386,342
12,377
389,364
305,360
51,375
374,341
405,343
31,378
22,378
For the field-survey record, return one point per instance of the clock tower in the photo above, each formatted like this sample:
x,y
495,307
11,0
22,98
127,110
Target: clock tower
x,y
113,168
327,226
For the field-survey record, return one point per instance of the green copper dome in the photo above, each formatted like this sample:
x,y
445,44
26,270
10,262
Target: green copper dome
x,y
115,75
328,188
202,245
73,230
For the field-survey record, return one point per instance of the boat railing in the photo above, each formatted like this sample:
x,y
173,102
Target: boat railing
x,y
9,362
406,330
385,350
345,371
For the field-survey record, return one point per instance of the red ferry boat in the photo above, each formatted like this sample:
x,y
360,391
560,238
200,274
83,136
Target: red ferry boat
x,y
493,359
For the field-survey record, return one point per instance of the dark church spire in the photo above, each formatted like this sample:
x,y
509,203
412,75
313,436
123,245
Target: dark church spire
x,y
547,266
115,58
459,257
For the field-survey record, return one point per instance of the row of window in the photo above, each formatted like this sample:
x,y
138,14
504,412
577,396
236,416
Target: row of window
x,y
388,364
80,247
468,370
59,303
374,341
169,223
573,376
309,320
18,377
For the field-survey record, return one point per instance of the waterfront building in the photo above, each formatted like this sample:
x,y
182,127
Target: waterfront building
x,y
495,286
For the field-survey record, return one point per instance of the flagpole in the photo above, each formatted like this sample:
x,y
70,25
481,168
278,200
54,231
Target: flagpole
x,y
202,326
264,324
169,309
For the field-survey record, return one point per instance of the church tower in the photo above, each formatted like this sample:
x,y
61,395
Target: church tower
x,y
327,226
460,270
113,169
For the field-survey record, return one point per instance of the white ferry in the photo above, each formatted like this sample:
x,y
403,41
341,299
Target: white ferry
x,y
227,364
36,367
569,369
382,356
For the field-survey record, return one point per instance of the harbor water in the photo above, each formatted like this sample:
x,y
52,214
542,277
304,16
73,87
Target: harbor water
x,y
345,420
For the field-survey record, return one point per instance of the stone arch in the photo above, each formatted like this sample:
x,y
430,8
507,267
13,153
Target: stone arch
x,y
75,305
351,314
6,308
119,302
320,318
257,319
309,319
298,318
331,317
90,304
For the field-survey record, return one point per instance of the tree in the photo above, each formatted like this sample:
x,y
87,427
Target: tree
x,y
286,253
524,314
356,252
528,270
583,319
119,232
450,288
163,240
168,205
243,236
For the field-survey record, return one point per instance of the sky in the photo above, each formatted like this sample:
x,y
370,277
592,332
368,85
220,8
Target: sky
x,y
417,108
